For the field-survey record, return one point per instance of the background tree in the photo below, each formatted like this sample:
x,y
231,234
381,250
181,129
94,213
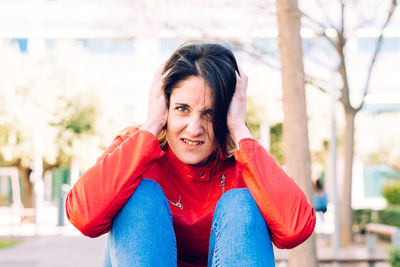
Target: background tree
x,y
43,96
337,22
295,130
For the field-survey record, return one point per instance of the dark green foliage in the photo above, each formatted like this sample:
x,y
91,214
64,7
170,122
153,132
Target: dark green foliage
x,y
276,142
390,215
256,114
361,218
60,176
395,256
81,118
391,191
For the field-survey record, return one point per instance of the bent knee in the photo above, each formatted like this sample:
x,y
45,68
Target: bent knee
x,y
147,191
238,198
238,206
147,199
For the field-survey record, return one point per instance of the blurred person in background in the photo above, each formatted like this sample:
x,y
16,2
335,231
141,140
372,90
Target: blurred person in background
x,y
191,186
320,199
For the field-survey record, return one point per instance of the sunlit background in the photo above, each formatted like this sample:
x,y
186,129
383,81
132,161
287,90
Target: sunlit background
x,y
75,73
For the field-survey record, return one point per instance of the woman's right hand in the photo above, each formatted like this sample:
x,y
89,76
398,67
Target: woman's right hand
x,y
236,118
157,111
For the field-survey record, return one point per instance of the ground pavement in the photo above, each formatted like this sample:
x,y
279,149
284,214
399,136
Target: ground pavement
x,y
50,246
80,251
54,251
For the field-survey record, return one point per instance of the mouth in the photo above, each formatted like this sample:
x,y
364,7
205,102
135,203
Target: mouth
x,y
192,142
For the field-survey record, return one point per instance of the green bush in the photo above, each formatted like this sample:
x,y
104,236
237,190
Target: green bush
x,y
390,215
395,256
360,218
391,191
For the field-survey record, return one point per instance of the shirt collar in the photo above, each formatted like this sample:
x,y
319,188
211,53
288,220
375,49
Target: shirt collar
x,y
192,173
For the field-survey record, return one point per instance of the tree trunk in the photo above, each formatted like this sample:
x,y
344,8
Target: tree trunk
x,y
346,212
295,133
27,187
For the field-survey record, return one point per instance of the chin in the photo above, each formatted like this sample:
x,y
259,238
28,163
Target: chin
x,y
192,161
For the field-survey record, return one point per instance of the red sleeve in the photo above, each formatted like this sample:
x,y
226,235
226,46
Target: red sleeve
x,y
103,189
284,206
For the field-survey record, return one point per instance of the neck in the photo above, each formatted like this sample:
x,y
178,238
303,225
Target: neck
x,y
209,159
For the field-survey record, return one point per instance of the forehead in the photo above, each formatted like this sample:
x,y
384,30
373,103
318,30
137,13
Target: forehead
x,y
193,91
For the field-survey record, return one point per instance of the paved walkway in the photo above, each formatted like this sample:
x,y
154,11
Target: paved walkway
x,y
55,251
80,251
47,245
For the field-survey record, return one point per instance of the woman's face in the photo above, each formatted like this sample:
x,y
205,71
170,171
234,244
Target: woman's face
x,y
189,126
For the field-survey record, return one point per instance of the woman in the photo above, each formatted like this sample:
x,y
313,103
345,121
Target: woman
x,y
204,192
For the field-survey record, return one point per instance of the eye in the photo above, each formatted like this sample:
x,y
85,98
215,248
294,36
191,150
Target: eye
x,y
210,113
181,109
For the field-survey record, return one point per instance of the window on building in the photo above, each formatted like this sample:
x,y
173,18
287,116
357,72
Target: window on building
x,y
169,45
111,46
389,44
22,44
50,44
269,45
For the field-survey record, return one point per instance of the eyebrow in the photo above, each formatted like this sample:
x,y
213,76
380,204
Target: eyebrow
x,y
182,105
188,106
208,109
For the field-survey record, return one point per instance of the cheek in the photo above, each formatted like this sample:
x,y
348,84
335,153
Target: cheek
x,y
210,131
174,124
170,126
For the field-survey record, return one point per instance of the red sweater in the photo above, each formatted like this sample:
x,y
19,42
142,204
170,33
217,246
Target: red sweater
x,y
135,154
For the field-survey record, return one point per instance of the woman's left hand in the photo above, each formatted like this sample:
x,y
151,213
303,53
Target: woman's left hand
x,y
236,119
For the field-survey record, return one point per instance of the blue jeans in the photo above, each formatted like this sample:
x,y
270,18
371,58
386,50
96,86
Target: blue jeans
x,y
142,233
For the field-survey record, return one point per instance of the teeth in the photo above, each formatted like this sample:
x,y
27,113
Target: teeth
x,y
191,143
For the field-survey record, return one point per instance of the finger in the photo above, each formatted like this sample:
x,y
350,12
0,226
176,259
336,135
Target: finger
x,y
241,83
237,77
242,74
158,79
240,71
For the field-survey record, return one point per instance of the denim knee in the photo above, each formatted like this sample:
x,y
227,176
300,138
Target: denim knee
x,y
238,207
142,232
239,235
147,199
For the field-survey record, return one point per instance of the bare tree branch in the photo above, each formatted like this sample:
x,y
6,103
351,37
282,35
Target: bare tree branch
x,y
323,11
341,27
313,20
48,167
317,60
260,56
322,27
314,82
377,50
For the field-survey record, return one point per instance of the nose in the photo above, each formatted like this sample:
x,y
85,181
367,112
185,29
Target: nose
x,y
195,126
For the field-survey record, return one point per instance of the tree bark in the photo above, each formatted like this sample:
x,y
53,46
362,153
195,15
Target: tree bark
x,y
295,132
346,212
27,187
